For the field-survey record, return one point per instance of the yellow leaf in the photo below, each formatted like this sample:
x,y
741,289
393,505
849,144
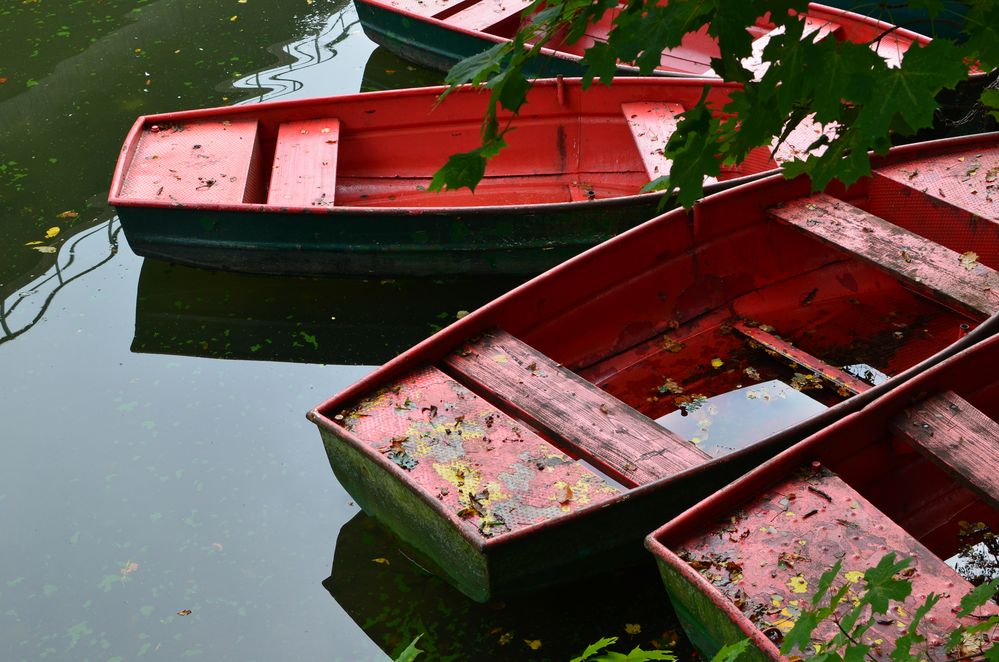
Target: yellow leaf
x,y
969,260
533,644
854,576
381,560
33,243
51,232
67,214
632,628
717,363
45,249
797,584
233,18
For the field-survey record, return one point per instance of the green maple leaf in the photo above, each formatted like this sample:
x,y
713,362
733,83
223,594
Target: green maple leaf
x,y
882,585
909,91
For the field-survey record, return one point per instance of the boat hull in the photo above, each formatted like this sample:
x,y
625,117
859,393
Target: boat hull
x,y
432,44
516,241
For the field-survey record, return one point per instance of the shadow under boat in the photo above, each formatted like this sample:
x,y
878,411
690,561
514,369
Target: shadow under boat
x,y
385,70
345,321
393,599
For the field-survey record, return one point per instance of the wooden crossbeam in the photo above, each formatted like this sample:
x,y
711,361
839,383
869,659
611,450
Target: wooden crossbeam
x,y
651,124
486,13
304,170
922,264
840,378
580,417
957,437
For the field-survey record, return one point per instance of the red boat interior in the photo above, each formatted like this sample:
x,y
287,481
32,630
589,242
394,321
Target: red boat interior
x,y
763,308
917,478
503,18
382,150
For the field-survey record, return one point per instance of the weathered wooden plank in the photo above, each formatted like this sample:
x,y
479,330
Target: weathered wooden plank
x,y
924,265
651,124
959,438
304,170
604,430
486,13
817,366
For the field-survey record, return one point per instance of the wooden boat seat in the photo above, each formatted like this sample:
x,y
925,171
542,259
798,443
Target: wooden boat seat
x,y
806,522
817,366
577,415
959,438
486,14
651,124
922,264
944,199
304,169
202,161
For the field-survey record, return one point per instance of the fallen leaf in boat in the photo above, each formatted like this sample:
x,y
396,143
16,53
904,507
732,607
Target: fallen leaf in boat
x,y
533,644
797,584
632,628
45,249
568,497
717,363
381,560
969,260
905,256
51,232
670,386
752,373
184,612
67,214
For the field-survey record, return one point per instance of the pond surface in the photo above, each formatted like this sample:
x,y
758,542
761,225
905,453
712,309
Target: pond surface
x,y
161,493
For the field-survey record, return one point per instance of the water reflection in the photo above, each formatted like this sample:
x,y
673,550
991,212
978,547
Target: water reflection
x,y
295,57
386,71
394,600
346,321
83,253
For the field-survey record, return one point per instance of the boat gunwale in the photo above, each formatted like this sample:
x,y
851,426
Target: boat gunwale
x,y
870,21
758,479
256,110
433,348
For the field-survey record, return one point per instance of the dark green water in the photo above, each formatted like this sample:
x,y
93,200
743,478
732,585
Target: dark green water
x,y
154,454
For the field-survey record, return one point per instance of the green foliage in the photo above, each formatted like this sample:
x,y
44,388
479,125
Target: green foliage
x,y
732,652
411,652
593,653
844,86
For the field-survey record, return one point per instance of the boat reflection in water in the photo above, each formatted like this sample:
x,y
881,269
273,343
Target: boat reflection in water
x,y
393,600
346,321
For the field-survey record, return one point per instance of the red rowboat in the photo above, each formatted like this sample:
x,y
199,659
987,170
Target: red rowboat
x,y
439,33
548,431
337,185
901,475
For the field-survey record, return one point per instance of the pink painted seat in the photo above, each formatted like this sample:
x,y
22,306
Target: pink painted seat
x,y
304,169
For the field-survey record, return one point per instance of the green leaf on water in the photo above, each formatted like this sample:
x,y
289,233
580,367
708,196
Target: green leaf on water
x,y
411,652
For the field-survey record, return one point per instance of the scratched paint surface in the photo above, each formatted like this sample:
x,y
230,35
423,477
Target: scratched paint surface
x,y
491,473
767,559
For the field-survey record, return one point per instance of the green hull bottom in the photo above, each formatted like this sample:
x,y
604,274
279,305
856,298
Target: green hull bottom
x,y
513,242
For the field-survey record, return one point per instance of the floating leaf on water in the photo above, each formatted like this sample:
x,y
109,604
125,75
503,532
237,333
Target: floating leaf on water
x,y
969,260
33,243
533,644
67,214
632,628
45,249
460,314
52,232
381,560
